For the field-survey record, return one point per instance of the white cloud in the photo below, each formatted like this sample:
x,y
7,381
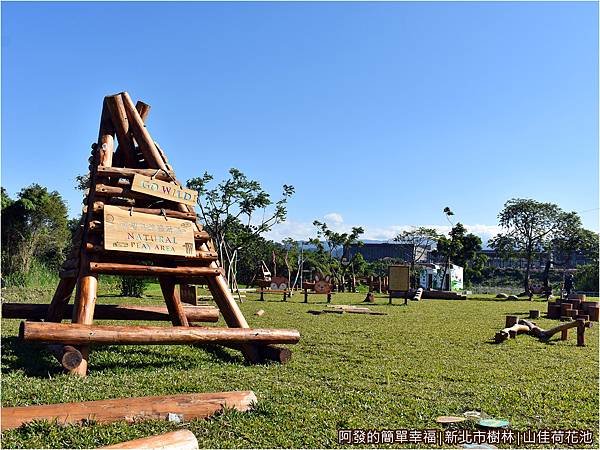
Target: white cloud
x,y
335,218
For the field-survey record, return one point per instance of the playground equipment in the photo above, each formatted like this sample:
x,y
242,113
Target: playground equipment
x,y
138,220
320,286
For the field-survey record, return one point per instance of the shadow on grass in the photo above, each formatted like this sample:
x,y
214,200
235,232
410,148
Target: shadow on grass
x,y
33,359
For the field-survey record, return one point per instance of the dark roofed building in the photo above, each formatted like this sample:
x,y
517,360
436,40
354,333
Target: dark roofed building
x,y
373,252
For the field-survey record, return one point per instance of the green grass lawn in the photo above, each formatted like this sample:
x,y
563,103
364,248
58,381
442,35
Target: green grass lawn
x,y
402,370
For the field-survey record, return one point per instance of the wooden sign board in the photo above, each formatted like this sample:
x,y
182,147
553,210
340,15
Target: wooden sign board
x,y
164,190
127,231
399,278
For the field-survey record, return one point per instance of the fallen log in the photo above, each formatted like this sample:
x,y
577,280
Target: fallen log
x,y
77,334
545,335
175,440
37,311
186,406
511,332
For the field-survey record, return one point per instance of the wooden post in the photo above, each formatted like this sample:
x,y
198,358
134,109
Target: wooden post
x,y
511,320
186,406
142,136
83,313
168,286
329,297
262,294
106,141
284,295
534,313
61,298
564,334
305,295
580,333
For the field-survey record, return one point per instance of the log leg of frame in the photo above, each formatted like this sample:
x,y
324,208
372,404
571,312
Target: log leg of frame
x,y
61,298
83,313
231,312
305,295
168,287
564,335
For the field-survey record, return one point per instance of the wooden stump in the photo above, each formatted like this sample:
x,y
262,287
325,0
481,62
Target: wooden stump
x,y
534,314
511,320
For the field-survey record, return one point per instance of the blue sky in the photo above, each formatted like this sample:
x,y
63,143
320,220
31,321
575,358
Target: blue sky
x,y
380,114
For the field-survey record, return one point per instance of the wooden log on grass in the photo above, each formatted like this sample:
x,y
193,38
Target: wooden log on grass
x,y
186,406
545,335
76,334
38,311
175,440
510,332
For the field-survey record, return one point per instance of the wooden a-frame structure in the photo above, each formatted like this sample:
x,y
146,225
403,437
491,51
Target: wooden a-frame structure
x,y
112,170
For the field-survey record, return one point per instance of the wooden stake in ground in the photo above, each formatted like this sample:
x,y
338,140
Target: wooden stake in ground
x,y
185,406
175,440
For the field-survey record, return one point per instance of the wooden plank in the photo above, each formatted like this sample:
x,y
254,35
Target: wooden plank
x,y
162,189
186,406
147,233
168,286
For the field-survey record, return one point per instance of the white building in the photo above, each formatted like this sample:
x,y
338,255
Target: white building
x,y
430,277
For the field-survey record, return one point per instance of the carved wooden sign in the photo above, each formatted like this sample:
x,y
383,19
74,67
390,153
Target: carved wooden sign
x,y
164,190
127,231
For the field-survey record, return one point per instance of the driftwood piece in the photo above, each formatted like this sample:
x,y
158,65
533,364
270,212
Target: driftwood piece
x,y
545,335
76,334
186,406
37,311
175,440
510,332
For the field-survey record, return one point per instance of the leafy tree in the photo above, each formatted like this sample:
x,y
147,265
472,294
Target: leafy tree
x,y
529,228
421,240
229,209
34,226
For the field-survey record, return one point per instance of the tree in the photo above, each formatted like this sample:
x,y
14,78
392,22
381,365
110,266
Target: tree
x,y
421,240
228,212
529,227
336,241
34,226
